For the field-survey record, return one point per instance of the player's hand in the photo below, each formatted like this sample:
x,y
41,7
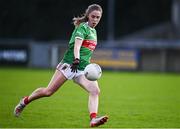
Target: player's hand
x,y
75,65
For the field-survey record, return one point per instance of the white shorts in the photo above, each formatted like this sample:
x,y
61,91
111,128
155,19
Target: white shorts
x,y
66,70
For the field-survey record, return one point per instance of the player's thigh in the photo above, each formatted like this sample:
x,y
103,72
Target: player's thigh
x,y
57,81
90,86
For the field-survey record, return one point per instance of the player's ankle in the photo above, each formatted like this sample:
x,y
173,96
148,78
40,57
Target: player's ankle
x,y
93,115
26,100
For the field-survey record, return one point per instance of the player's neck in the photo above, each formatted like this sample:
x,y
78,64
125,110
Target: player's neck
x,y
89,25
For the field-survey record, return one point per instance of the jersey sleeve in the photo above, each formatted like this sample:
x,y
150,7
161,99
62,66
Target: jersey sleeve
x,y
80,32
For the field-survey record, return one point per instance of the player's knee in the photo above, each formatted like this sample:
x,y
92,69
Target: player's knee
x,y
95,91
48,92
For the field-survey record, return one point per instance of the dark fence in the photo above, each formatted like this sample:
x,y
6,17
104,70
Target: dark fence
x,y
132,55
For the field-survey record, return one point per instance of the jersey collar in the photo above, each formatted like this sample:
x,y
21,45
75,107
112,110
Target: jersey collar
x,y
89,26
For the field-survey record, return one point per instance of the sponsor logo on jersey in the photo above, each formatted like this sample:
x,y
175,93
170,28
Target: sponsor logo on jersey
x,y
90,44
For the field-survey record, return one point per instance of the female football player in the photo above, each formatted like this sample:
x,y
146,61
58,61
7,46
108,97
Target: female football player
x,y
81,46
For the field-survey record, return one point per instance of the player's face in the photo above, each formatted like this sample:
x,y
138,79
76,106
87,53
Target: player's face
x,y
94,18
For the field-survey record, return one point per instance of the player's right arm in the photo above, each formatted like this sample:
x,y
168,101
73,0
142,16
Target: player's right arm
x,y
77,46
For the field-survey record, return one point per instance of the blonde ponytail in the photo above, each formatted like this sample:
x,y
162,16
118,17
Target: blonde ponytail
x,y
79,20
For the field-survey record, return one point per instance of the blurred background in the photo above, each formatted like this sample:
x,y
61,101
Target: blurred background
x,y
133,35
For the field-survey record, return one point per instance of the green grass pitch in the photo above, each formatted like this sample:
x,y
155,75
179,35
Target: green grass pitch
x,y
132,100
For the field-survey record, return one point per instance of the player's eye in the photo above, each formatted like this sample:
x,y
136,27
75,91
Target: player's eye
x,y
93,16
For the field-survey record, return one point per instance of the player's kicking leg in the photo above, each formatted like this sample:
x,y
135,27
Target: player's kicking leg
x,y
20,106
98,121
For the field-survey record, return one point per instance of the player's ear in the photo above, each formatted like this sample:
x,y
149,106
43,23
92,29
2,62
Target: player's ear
x,y
88,18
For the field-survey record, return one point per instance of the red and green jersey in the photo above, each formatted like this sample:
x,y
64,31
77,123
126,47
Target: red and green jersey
x,y
89,36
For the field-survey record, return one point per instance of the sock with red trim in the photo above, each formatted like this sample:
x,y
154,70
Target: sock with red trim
x,y
26,101
93,115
